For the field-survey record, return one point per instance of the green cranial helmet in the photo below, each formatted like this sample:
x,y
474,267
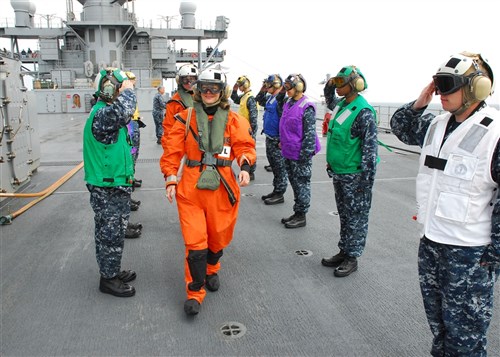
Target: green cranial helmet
x,y
107,82
353,76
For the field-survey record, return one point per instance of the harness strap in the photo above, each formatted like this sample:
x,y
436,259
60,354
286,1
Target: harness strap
x,y
218,162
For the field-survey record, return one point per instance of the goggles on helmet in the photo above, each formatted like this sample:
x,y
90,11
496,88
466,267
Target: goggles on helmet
x,y
214,88
449,83
341,81
188,79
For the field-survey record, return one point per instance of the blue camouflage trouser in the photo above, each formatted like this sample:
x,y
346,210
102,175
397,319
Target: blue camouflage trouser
x,y
299,174
111,207
277,162
353,200
135,139
158,119
458,297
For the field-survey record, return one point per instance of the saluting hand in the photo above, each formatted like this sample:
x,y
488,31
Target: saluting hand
x,y
425,97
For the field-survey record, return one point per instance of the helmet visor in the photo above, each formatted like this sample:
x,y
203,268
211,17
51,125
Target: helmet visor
x,y
214,88
448,83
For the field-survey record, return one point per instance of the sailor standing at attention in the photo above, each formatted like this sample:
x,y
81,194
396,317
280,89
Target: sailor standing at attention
x,y
351,156
458,202
247,109
299,143
272,97
109,173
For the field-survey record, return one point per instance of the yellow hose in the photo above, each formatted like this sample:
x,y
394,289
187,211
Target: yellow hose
x,y
41,195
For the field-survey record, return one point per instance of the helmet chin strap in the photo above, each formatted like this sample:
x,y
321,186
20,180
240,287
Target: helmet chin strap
x,y
466,103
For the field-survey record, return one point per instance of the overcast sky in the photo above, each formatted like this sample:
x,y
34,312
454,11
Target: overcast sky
x,y
398,44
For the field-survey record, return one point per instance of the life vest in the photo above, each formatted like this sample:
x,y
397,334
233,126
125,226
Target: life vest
x,y
243,110
107,165
455,190
343,153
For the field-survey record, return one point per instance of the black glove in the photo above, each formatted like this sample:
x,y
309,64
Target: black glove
x,y
141,124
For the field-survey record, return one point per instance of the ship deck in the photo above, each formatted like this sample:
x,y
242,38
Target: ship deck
x,y
275,297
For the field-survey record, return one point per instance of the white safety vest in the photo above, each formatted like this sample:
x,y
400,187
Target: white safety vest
x,y
455,190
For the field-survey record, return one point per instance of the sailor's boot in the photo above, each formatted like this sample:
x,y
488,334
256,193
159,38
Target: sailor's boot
x,y
197,262
299,220
212,282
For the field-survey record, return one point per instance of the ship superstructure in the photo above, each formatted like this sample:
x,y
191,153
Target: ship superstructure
x,y
106,34
67,59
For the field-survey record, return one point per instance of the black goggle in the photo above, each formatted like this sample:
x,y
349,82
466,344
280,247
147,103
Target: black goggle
x,y
188,79
448,83
213,88
289,85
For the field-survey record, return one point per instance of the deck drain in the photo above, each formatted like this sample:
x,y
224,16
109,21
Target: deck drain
x,y
333,213
303,252
233,329
248,194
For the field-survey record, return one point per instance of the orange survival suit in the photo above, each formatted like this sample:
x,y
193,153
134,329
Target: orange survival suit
x,y
207,217
174,105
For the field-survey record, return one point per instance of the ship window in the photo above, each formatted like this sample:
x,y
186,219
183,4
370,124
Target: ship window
x,y
112,35
91,35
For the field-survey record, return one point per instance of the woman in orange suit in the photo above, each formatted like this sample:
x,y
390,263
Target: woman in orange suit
x,y
211,136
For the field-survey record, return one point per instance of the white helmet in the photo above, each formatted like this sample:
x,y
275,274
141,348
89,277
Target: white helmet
x,y
467,70
187,70
212,76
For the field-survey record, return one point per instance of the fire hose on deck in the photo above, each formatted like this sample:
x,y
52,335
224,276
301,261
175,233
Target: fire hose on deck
x,y
41,195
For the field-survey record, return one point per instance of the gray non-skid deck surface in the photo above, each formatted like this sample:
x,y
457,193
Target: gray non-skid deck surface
x,y
273,287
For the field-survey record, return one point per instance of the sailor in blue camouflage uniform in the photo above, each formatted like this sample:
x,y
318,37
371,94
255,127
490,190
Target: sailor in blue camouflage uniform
x,y
271,97
109,173
351,155
299,143
458,204
158,112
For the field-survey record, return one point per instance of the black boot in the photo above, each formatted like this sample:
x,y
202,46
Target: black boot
x,y
132,233
348,266
274,200
298,221
212,282
268,168
137,225
269,195
137,183
134,207
191,307
135,202
334,261
287,219
116,287
127,276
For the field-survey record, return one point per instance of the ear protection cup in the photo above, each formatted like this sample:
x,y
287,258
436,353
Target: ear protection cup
x,y
300,84
480,87
358,83
277,82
